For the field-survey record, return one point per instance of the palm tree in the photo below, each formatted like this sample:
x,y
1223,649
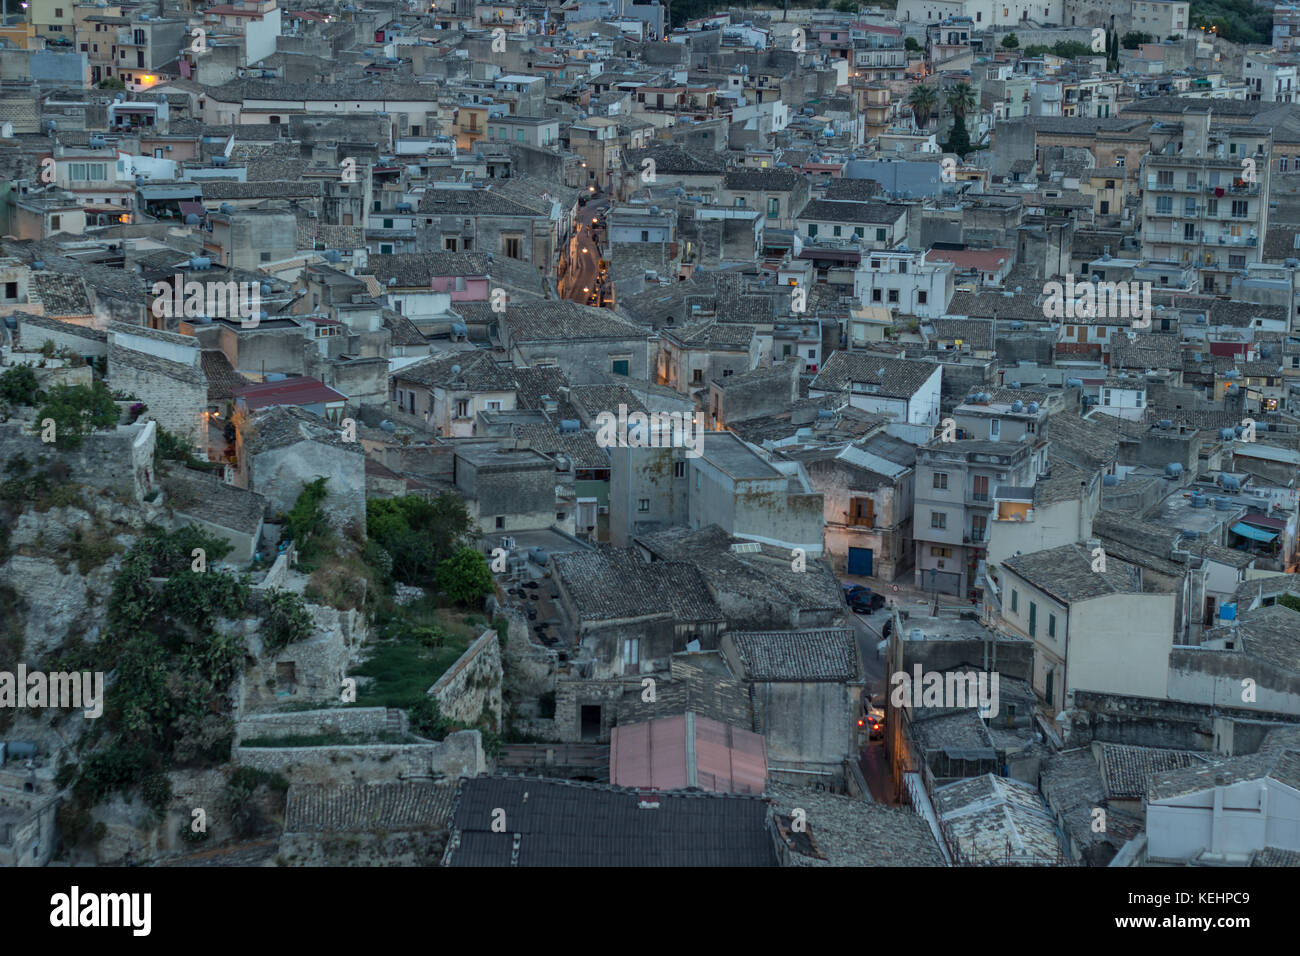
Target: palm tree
x,y
923,100
961,99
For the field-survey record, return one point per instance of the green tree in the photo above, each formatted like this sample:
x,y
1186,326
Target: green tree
x,y
465,577
961,99
112,83
18,385
417,534
922,100
77,410
958,137
1010,41
846,6
306,522
1133,39
910,45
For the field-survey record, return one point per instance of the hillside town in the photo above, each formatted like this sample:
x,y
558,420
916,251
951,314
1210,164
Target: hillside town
x,y
597,432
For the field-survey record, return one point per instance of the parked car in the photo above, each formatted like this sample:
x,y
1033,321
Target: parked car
x,y
876,723
866,601
872,720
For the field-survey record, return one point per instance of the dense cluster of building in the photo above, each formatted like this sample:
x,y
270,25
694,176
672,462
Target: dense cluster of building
x,y
724,330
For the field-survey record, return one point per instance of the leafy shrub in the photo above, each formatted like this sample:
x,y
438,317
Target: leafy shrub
x,y
284,621
18,385
465,577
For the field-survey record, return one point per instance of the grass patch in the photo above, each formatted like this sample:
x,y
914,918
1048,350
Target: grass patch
x,y
417,644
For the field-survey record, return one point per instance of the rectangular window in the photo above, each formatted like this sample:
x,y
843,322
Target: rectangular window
x,y
938,519
921,298
1164,206
1033,618
643,505
880,235
1051,625
1015,601
510,246
995,429
1240,208
773,208
937,552
679,469
619,366
941,479
980,488
862,512
462,408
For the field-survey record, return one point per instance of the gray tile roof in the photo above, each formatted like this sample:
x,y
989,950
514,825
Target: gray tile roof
x,y
565,823
61,294
321,808
559,320
994,820
824,654
768,180
469,369
843,210
284,425
1066,573
852,832
415,269
896,378
1127,769
615,584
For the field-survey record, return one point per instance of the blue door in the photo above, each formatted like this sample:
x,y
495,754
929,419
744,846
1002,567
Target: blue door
x,y
860,561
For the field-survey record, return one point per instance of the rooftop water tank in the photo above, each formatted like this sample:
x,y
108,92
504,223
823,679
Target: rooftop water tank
x,y
1230,482
1074,383
200,263
1017,406
191,220
220,160
1032,408
1222,503
97,142
570,425
333,255
387,426
1166,423
1110,481
1198,500
1173,470
227,208
1225,434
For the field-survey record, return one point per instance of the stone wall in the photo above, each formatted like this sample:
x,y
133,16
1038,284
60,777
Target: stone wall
x,y
460,755
280,473
33,331
333,720
472,685
1147,722
120,459
530,672
310,670
177,395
